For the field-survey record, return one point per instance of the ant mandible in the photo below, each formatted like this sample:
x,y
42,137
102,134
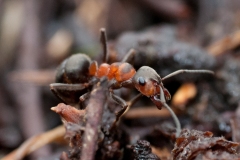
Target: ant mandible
x,y
79,72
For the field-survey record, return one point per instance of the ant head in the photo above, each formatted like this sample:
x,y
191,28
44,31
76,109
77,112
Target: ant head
x,y
147,81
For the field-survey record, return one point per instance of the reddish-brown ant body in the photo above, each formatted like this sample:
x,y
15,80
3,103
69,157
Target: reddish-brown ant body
x,y
118,71
79,72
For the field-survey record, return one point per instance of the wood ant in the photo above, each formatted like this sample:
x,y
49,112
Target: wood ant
x,y
79,72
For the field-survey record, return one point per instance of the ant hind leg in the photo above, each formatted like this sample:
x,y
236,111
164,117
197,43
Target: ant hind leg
x,y
59,88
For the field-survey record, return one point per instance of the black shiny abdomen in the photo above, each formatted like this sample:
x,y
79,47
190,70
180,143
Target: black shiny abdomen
x,y
74,69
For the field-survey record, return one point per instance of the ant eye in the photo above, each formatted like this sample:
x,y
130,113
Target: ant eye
x,y
141,81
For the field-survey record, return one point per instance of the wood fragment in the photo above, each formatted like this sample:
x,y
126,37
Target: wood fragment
x,y
225,44
186,92
36,142
162,153
94,112
60,44
69,114
36,77
149,111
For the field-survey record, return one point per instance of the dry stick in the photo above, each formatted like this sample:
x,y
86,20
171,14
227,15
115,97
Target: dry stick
x,y
146,111
27,96
36,77
94,112
35,143
103,40
225,44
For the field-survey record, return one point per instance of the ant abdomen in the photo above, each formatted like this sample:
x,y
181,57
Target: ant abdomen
x,y
74,69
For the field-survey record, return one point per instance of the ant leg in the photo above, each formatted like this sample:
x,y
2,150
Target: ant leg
x,y
121,102
126,83
187,71
162,102
103,40
58,88
68,87
129,57
134,100
125,106
116,85
82,98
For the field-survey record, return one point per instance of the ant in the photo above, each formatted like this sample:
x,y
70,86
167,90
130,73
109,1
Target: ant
x,y
79,72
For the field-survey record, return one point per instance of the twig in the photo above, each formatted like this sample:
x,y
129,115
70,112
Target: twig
x,y
37,77
94,112
35,143
225,44
150,111
27,96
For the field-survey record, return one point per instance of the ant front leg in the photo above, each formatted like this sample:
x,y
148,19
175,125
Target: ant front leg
x,y
117,85
159,101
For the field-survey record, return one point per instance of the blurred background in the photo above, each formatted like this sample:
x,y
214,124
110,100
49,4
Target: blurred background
x,y
35,36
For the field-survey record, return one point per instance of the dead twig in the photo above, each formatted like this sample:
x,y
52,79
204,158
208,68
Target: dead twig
x,y
36,142
26,96
94,112
37,77
225,44
150,111
186,92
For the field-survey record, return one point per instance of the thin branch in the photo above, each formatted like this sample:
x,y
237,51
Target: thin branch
x,y
225,44
94,112
146,111
36,142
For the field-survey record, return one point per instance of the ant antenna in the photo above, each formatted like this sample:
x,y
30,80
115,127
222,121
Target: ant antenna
x,y
176,120
187,71
103,40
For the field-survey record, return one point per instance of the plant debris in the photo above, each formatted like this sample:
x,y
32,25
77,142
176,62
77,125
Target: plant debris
x,y
192,143
142,150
